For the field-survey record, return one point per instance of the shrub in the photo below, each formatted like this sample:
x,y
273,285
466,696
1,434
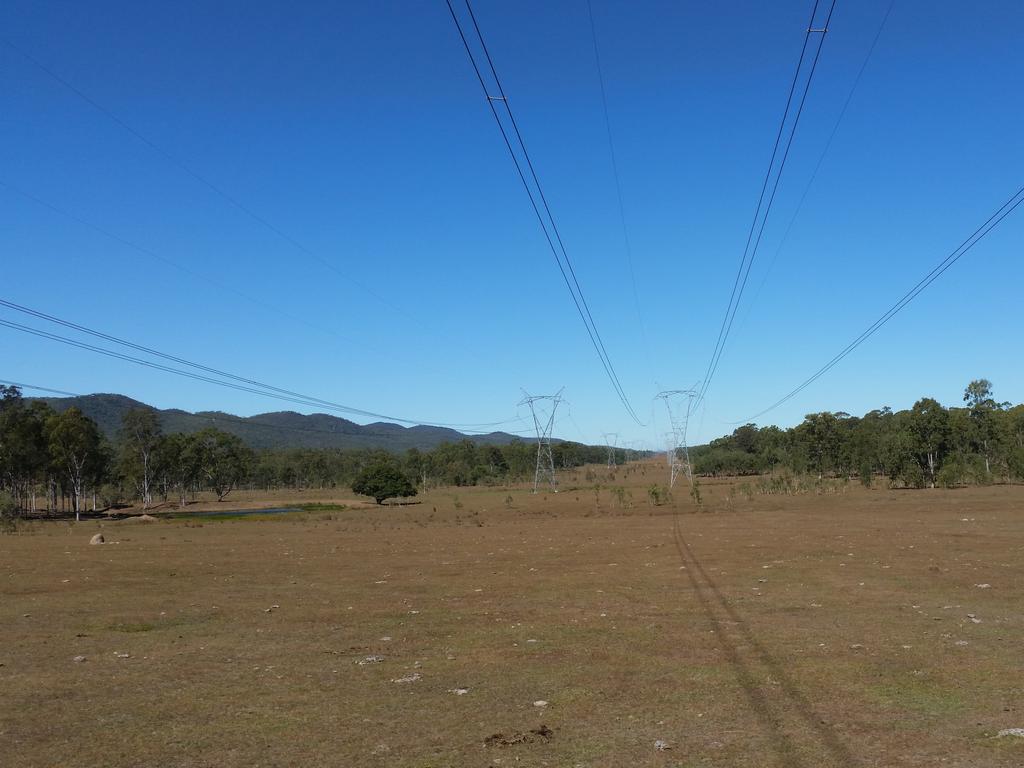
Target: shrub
x,y
383,481
8,513
658,495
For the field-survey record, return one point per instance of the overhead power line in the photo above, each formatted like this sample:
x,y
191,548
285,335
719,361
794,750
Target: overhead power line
x,y
991,223
188,170
35,388
150,253
233,381
538,200
615,174
764,206
821,157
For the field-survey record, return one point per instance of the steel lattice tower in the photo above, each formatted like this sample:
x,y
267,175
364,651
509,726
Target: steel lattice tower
x,y
544,424
679,404
610,440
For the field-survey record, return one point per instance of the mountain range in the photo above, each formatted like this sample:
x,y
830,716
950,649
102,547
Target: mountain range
x,y
280,429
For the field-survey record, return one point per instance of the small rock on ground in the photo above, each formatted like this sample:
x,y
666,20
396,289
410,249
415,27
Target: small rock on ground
x,y
97,539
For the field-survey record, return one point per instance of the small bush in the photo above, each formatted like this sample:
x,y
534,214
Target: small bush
x,y
695,493
8,513
658,495
109,495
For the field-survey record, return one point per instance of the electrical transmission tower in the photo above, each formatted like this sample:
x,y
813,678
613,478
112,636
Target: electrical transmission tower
x,y
679,404
610,440
542,408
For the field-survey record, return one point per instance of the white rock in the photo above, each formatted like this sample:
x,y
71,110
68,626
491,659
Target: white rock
x,y
97,539
540,703
408,678
661,745
1018,732
79,659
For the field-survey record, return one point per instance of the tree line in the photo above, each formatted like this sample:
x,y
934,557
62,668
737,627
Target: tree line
x,y
62,462
927,445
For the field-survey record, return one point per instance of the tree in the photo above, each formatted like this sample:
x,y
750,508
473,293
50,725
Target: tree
x,y
178,460
978,396
929,422
75,443
24,454
383,480
222,458
140,436
819,434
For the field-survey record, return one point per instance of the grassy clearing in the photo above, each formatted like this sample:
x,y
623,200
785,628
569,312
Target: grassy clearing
x,y
831,630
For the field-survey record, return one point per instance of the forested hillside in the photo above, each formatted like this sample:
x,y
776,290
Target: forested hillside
x,y
280,429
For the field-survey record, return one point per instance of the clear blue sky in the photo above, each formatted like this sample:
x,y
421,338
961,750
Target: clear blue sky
x,y
359,130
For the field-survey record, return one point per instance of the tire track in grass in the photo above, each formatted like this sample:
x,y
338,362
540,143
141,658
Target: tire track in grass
x,y
770,709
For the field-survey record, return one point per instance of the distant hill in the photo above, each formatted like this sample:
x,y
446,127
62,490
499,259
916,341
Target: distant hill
x,y
282,429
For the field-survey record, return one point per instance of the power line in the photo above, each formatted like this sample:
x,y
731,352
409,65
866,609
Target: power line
x,y
1001,213
170,262
750,249
824,152
249,421
615,174
538,200
577,295
33,387
185,168
267,390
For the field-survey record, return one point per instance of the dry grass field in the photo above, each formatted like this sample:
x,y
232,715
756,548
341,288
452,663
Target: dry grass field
x,y
858,628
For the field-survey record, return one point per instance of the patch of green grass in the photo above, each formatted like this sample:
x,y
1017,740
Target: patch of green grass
x,y
126,626
200,518
322,507
919,696
133,626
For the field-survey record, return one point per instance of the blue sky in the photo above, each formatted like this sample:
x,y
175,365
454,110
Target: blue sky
x,y
360,131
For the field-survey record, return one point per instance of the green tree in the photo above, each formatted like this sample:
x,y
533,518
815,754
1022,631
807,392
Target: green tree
x,y
24,453
982,406
820,438
383,480
178,459
75,447
929,423
222,459
140,436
